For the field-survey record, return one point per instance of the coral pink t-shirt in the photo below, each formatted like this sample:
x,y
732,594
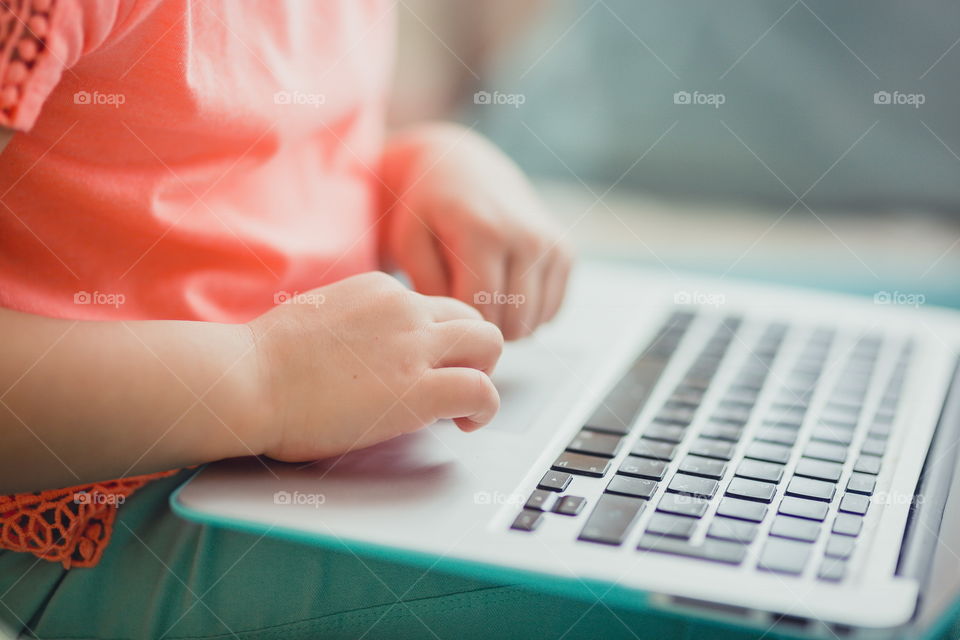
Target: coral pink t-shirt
x,y
188,159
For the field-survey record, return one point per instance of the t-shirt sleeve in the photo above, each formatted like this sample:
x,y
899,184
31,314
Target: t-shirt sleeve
x,y
39,41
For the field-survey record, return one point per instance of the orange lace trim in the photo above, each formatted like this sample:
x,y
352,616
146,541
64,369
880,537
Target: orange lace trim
x,y
70,526
24,25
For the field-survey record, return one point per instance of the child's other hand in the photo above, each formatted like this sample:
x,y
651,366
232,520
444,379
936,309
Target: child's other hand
x,y
464,222
363,360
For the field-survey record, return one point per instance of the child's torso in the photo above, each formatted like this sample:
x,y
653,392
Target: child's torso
x,y
200,161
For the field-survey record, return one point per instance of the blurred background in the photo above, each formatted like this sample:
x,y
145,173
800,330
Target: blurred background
x,y
800,141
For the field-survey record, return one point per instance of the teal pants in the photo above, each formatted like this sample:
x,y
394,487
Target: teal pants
x,y
164,577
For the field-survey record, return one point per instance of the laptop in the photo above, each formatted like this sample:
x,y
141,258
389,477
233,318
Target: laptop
x,y
772,457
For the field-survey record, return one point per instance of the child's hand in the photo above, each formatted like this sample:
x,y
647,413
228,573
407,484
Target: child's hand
x,y
464,222
363,360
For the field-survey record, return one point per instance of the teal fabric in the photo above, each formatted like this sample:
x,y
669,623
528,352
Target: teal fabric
x,y
164,577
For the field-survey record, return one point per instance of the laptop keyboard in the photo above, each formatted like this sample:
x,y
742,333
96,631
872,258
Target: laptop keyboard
x,y
705,478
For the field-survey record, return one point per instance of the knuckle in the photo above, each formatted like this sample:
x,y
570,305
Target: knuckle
x,y
487,393
492,336
380,281
489,232
532,245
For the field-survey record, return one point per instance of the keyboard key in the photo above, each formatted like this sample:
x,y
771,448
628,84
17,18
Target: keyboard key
x,y
611,519
784,556
664,432
581,464
768,452
832,569
743,404
836,413
819,469
712,449
719,431
830,433
652,449
675,526
874,446
673,403
735,530
861,483
847,524
825,451
880,431
854,503
570,505
798,399
779,435
743,397
636,487
693,486
813,489
731,414
715,550
802,508
682,505
676,415
540,500
706,467
595,443
785,415
528,520
555,481
687,395
751,490
742,509
756,470
867,464
840,546
795,529
643,468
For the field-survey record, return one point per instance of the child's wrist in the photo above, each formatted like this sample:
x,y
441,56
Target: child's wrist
x,y
238,399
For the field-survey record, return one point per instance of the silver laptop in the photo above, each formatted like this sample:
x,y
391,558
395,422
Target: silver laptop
x,y
773,457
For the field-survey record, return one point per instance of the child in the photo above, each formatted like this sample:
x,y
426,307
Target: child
x,y
172,171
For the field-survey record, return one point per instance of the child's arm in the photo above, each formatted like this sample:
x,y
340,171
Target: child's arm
x,y
86,401
342,367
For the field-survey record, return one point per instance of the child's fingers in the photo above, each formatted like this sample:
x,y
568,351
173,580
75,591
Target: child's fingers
x,y
465,395
468,343
555,285
523,299
424,263
443,309
480,283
